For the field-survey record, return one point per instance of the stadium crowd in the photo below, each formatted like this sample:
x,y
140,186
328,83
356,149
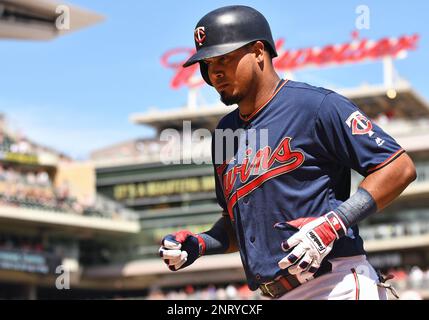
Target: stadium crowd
x,y
24,243
18,144
35,190
394,230
211,292
411,284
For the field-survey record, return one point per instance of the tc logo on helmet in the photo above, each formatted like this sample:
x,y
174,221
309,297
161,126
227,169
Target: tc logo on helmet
x,y
200,35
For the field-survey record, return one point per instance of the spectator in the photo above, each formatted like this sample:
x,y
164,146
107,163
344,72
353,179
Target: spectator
x,y
211,292
244,292
221,294
42,178
410,295
231,292
416,277
155,294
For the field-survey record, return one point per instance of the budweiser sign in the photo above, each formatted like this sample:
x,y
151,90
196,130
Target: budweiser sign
x,y
358,50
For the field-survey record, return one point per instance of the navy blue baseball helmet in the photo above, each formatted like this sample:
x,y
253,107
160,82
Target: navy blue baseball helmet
x,y
226,29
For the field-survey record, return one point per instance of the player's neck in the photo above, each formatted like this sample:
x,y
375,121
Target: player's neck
x,y
260,94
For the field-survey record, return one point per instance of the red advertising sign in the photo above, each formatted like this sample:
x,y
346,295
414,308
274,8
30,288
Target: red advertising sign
x,y
358,50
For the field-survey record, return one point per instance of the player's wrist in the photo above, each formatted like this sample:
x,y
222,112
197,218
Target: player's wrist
x,y
216,240
202,245
209,245
191,241
355,209
199,245
336,224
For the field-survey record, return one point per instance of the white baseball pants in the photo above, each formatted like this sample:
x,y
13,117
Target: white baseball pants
x,y
351,278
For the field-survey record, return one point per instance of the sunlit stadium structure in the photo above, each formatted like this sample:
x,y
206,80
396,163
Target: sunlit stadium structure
x,y
51,217
42,19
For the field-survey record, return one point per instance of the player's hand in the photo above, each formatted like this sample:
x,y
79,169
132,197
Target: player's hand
x,y
311,244
180,249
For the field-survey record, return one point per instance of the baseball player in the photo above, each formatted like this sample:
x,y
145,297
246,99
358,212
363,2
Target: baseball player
x,y
282,163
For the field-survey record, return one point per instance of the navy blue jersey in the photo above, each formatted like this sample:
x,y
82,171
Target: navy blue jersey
x,y
291,159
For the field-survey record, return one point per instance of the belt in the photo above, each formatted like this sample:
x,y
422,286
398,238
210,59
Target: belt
x,y
278,287
283,284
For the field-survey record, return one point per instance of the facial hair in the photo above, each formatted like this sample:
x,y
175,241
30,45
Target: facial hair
x,y
229,100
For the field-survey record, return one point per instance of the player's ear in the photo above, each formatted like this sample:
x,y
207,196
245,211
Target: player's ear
x,y
258,49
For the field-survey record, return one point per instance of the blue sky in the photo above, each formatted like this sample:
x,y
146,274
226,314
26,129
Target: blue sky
x,y
76,93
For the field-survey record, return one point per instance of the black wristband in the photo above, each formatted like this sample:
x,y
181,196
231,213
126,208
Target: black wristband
x,y
358,207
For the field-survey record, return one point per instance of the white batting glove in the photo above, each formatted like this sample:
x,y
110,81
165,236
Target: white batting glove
x,y
172,255
311,244
180,249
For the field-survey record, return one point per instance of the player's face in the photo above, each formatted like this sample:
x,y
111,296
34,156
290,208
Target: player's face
x,y
231,74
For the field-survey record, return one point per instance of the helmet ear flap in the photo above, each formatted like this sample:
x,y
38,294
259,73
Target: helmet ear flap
x,y
205,73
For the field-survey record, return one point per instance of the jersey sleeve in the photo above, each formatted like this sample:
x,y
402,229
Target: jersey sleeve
x,y
346,135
